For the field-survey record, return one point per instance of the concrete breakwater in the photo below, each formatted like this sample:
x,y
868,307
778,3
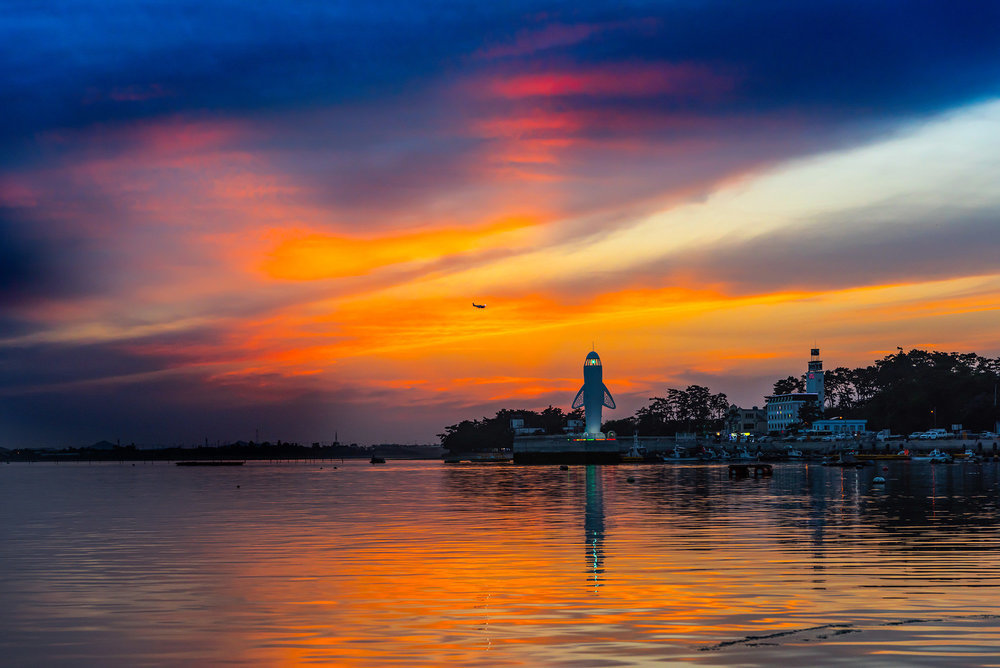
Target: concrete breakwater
x,y
949,445
564,449
567,449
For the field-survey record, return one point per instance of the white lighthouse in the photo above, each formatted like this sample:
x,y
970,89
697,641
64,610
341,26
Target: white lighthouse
x,y
593,395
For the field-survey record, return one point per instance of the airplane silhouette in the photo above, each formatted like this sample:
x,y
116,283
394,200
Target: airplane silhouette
x,y
479,305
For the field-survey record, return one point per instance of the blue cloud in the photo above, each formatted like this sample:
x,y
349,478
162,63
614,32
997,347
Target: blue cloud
x,y
102,61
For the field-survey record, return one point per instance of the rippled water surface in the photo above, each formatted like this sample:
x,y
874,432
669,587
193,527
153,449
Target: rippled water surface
x,y
424,563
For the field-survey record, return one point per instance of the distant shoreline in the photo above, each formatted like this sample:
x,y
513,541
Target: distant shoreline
x,y
284,452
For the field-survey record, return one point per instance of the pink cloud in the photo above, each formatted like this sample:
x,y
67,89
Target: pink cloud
x,y
618,79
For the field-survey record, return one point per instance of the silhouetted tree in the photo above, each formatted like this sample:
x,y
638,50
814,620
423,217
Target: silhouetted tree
x,y
789,385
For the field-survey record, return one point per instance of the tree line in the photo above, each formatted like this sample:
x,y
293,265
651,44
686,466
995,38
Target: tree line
x,y
903,391
491,433
693,409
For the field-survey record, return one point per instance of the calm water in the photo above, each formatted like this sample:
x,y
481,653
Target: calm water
x,y
416,563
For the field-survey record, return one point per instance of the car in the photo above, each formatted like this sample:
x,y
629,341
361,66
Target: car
x,y
987,434
916,434
829,437
935,434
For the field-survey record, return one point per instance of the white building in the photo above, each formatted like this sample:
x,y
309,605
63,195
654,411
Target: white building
x,y
840,426
517,426
783,409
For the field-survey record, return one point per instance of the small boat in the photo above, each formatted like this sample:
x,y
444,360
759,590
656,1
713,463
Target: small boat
x,y
377,460
935,457
744,455
634,455
680,454
711,455
844,459
792,453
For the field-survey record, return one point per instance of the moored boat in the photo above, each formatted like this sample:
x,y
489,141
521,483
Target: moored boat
x,y
680,454
901,455
935,457
635,455
845,459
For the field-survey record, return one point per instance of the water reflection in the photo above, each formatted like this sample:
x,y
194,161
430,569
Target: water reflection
x,y
593,524
481,565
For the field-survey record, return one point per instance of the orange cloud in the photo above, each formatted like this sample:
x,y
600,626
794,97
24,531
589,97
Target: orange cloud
x,y
320,256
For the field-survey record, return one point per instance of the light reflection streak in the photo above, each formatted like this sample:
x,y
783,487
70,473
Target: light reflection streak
x,y
593,524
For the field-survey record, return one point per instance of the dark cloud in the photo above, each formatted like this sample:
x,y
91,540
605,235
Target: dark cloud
x,y
846,250
33,367
33,266
21,265
98,62
59,395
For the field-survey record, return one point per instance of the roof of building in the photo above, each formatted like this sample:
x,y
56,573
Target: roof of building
x,y
803,395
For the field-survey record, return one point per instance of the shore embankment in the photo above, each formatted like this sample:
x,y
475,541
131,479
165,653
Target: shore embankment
x,y
949,445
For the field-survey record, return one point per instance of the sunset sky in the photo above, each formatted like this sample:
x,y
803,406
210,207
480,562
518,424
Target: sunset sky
x,y
223,216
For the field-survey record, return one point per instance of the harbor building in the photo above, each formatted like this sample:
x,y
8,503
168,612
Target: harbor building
x,y
746,421
783,409
840,427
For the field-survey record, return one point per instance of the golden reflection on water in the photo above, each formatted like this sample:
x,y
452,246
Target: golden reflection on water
x,y
427,563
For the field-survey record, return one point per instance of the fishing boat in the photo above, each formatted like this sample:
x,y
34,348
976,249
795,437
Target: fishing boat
x,y
935,457
635,455
680,454
713,455
844,459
